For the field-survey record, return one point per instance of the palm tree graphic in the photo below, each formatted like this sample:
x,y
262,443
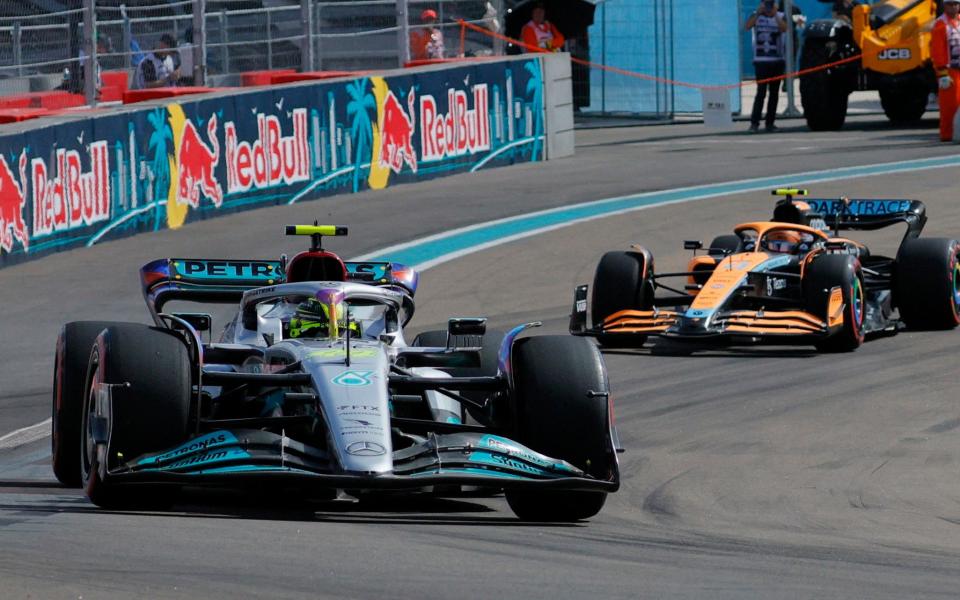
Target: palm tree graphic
x,y
535,87
160,164
361,129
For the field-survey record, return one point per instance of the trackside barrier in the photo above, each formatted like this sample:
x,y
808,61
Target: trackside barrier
x,y
80,180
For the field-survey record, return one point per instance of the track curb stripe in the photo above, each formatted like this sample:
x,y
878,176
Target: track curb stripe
x,y
430,251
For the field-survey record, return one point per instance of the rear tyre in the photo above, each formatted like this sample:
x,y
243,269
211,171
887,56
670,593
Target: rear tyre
x,y
824,274
904,105
619,284
69,373
822,93
553,376
148,415
927,289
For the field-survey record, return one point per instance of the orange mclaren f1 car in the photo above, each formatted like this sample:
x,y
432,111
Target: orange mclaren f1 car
x,y
792,280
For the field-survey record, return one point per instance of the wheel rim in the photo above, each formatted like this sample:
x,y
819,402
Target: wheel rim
x,y
956,286
88,450
857,302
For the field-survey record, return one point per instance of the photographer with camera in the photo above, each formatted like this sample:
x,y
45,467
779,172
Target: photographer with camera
x,y
769,26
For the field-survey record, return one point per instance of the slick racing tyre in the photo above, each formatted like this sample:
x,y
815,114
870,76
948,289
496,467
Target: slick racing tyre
x,y
69,371
150,406
927,287
825,273
558,416
489,344
619,284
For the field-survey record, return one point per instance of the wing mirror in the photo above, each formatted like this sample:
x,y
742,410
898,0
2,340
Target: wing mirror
x,y
692,244
199,321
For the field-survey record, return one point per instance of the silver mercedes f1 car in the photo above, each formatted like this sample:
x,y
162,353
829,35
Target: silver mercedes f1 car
x,y
312,387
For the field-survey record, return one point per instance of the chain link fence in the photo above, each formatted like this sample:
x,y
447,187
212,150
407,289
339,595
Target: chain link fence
x,y
47,45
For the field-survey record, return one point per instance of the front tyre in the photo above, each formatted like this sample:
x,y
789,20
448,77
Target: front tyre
x,y
621,282
826,274
927,289
150,371
561,399
69,371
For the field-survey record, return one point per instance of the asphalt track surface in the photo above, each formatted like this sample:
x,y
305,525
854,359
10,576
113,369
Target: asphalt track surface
x,y
749,472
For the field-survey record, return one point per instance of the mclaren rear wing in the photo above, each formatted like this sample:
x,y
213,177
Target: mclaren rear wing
x,y
225,281
870,214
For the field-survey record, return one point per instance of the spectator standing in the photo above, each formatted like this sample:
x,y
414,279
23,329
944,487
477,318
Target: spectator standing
x,y
427,41
945,53
160,68
768,26
540,32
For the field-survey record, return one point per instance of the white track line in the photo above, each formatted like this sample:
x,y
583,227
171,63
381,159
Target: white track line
x,y
25,435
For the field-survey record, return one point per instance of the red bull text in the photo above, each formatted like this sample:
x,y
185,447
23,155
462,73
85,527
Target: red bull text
x,y
72,198
272,159
461,131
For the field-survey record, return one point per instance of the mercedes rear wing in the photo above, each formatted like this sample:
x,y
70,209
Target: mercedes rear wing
x,y
225,281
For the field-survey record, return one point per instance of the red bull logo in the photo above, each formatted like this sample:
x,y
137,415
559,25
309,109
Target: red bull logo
x,y
272,159
461,131
396,133
72,198
195,163
12,200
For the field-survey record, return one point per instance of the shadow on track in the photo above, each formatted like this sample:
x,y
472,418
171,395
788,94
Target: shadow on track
x,y
421,509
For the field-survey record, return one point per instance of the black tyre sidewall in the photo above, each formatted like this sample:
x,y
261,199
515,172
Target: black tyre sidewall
x,y
619,284
150,415
924,283
822,275
69,374
556,416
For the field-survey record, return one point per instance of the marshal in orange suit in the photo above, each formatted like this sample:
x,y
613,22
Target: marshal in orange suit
x,y
945,52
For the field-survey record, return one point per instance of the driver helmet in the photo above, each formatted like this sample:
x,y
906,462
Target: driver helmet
x,y
313,318
782,241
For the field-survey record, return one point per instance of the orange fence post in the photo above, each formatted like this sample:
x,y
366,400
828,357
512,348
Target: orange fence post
x,y
463,38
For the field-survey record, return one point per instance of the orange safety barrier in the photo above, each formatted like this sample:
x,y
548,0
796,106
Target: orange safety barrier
x,y
132,96
15,115
115,83
464,26
54,99
264,77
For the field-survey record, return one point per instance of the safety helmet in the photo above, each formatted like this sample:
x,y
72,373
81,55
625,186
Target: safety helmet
x,y
312,319
428,15
783,240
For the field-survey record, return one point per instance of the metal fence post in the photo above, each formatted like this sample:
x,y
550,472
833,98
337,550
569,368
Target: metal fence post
x,y
126,35
199,42
306,46
17,50
791,110
501,21
403,33
269,40
90,49
222,19
318,51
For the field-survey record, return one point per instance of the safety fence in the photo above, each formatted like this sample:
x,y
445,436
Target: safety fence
x,y
82,181
217,40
